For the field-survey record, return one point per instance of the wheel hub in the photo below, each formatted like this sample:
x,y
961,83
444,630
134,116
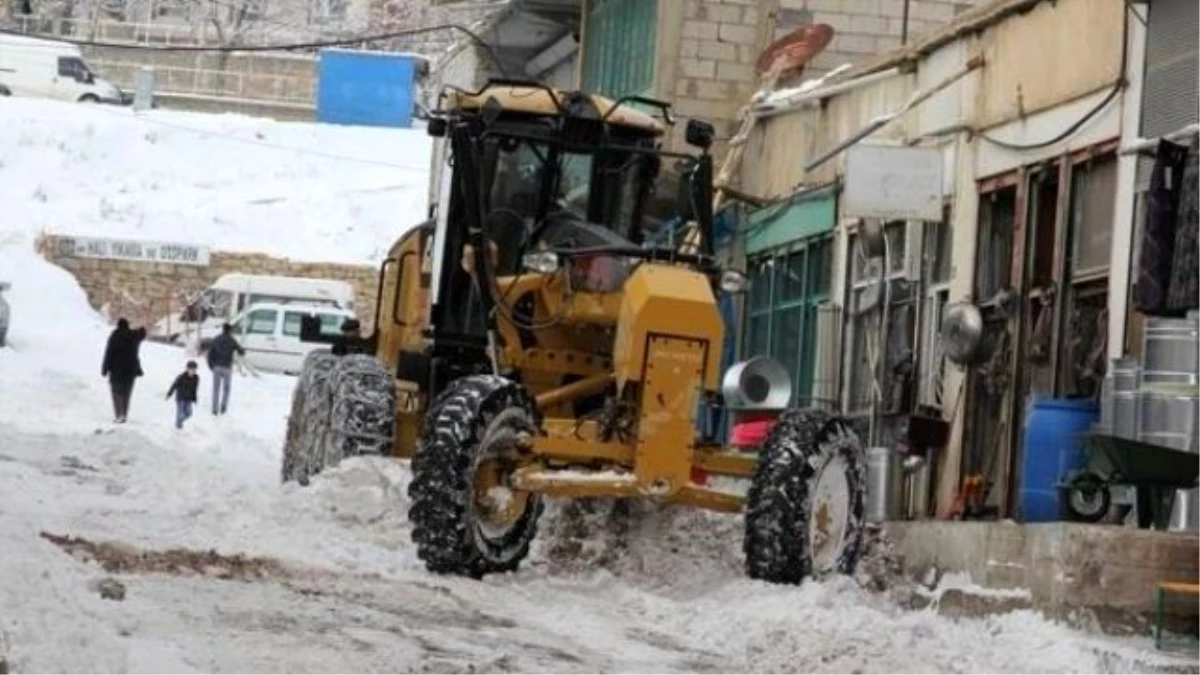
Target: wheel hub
x,y
496,505
829,517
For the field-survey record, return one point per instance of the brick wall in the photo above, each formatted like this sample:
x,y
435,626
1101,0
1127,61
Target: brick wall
x,y
144,292
718,45
864,27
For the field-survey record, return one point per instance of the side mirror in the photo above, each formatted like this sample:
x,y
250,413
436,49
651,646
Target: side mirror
x,y
700,134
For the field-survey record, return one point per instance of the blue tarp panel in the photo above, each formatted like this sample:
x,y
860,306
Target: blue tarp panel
x,y
365,88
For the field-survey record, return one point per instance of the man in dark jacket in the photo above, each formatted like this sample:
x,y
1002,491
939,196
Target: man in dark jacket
x,y
122,365
220,362
184,387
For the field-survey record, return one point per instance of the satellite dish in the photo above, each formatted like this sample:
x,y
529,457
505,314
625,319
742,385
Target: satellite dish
x,y
790,53
962,333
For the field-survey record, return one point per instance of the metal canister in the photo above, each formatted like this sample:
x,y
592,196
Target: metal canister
x,y
1124,398
1185,513
1168,416
917,476
1170,351
884,483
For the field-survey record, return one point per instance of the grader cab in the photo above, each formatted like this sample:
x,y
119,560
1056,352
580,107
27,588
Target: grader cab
x,y
532,340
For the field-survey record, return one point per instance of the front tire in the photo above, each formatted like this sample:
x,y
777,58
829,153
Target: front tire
x,y
466,520
804,509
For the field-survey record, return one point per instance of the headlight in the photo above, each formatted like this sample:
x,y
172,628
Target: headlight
x,y
733,281
599,273
542,262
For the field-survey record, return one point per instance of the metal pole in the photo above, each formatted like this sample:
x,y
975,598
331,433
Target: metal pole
x,y
904,24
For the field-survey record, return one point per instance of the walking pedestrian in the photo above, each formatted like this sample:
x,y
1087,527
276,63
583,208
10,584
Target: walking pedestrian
x,y
184,387
220,362
122,366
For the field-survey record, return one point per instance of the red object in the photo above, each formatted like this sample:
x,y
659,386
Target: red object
x,y
794,50
699,476
750,429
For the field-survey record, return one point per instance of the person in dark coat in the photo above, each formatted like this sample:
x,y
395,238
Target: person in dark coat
x,y
122,365
220,362
184,388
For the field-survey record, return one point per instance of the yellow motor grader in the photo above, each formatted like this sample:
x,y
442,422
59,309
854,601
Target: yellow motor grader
x,y
532,340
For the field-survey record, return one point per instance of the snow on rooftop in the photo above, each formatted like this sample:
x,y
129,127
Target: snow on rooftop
x,y
312,192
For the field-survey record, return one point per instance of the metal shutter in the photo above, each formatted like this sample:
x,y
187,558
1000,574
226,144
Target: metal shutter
x,y
1170,98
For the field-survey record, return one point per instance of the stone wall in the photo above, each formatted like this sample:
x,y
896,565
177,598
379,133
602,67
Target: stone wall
x,y
144,292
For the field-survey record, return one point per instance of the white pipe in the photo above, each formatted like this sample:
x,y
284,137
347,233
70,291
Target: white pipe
x,y
1121,251
1140,144
763,110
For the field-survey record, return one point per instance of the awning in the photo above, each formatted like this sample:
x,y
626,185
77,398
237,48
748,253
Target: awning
x,y
806,214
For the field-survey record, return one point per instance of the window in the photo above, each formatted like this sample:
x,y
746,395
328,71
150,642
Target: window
x,y
74,68
261,322
291,324
618,46
997,218
862,317
1093,186
787,289
936,267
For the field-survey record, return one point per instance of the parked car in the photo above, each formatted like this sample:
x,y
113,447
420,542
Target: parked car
x,y
233,293
4,313
270,333
52,69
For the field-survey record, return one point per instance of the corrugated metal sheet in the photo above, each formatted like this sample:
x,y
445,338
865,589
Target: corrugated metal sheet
x,y
1170,97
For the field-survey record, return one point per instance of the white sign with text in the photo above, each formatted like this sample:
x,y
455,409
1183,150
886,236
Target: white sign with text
x,y
135,251
893,183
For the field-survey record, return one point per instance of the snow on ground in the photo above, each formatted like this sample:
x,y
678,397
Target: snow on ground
x,y
331,582
307,191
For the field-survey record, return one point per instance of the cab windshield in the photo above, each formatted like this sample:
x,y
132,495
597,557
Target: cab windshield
x,y
606,187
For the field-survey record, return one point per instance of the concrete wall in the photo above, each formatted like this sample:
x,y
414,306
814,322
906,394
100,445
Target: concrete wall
x,y
144,292
1111,571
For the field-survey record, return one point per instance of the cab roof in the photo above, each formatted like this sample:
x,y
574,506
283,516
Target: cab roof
x,y
537,101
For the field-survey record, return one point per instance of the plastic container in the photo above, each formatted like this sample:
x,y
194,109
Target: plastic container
x,y
1051,452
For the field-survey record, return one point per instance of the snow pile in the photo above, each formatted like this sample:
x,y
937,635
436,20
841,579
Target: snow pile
x,y
315,192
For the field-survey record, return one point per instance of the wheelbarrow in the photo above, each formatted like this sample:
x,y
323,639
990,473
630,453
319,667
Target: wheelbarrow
x,y
1154,471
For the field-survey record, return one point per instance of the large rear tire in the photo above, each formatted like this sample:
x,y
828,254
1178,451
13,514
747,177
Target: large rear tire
x,y
308,421
466,519
804,509
362,419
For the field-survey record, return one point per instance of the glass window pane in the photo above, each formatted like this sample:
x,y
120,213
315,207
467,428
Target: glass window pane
x,y
1092,190
785,339
758,338
819,268
291,324
760,284
262,322
897,245
790,277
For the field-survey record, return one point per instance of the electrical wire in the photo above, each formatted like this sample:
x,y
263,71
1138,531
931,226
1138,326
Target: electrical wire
x,y
1117,86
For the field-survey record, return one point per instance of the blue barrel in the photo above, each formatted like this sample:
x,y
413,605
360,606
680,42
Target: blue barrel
x,y
1051,451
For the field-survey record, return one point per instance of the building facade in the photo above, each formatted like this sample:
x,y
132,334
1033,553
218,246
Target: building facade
x,y
1034,228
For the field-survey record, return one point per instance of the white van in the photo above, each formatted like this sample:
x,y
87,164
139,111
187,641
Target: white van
x,y
232,293
51,69
270,333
